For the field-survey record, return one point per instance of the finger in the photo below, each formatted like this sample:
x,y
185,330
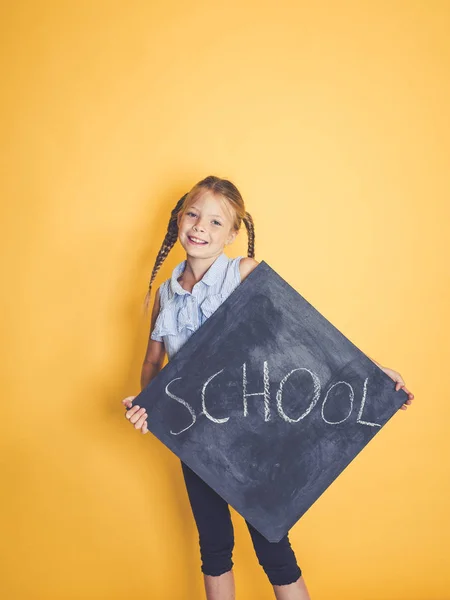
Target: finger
x,y
405,389
137,415
132,411
127,402
128,399
144,428
140,421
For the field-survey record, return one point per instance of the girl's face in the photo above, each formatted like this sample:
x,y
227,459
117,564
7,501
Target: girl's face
x,y
209,220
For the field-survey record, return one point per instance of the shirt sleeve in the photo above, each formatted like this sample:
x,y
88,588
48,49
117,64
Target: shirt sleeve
x,y
156,333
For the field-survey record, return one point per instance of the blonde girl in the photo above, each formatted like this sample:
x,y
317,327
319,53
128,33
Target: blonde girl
x,y
204,221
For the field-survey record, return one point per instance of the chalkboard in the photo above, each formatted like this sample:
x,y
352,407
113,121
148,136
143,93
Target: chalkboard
x,y
268,402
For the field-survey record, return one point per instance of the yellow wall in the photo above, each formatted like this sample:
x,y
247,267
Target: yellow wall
x,y
333,120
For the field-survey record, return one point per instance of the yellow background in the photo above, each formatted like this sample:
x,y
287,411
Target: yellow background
x,y
332,118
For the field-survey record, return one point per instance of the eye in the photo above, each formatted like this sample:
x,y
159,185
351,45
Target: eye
x,y
189,213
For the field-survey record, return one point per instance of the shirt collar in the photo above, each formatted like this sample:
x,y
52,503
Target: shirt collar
x,y
210,277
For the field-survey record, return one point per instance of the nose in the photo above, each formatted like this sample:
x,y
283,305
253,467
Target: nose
x,y
199,226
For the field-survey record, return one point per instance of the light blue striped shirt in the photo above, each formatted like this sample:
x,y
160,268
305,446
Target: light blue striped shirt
x,y
182,312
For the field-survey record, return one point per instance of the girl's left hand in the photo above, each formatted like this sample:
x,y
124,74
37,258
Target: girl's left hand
x,y
400,384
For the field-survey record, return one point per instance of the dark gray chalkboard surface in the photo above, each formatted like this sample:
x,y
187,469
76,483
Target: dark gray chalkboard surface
x,y
268,402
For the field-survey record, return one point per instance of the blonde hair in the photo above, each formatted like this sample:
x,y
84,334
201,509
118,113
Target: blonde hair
x,y
221,187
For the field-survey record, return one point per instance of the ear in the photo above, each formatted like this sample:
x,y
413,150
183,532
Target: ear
x,y
179,215
232,236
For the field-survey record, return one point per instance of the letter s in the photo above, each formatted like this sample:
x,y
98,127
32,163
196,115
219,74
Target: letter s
x,y
184,403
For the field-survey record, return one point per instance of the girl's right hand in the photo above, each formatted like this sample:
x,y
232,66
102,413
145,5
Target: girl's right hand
x,y
136,415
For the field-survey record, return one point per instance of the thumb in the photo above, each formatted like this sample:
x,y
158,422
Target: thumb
x,y
128,401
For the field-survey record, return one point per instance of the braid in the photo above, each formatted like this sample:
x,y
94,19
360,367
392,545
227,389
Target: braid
x,y
168,243
248,221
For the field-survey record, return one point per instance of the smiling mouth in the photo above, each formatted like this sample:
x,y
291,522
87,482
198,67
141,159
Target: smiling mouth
x,y
197,241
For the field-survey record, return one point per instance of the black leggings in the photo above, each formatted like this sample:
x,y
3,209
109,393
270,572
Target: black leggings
x,y
216,536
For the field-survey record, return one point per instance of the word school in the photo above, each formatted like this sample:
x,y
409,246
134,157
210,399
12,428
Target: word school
x,y
279,398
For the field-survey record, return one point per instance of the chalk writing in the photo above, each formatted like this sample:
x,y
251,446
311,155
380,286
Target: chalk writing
x,y
279,399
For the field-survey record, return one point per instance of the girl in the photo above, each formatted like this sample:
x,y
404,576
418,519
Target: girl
x,y
204,221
